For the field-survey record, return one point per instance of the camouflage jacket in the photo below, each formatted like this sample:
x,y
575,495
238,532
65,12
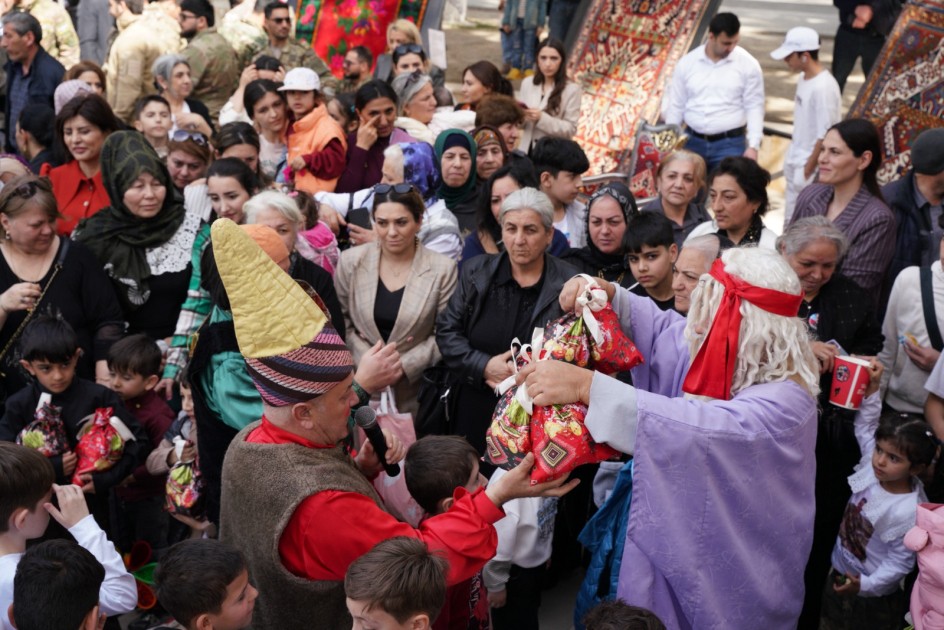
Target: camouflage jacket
x,y
59,37
141,39
297,55
214,69
246,38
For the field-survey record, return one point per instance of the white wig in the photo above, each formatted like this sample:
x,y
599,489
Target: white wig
x,y
771,348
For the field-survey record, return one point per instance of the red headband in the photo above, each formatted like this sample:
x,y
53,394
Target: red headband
x,y
712,370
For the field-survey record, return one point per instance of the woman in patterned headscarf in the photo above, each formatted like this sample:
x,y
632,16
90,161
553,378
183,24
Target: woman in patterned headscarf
x,y
144,238
608,214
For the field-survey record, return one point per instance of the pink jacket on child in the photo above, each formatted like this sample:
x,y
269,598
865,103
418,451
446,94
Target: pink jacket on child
x,y
926,538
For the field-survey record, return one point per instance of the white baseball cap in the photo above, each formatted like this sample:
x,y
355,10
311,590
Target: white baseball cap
x,y
798,39
301,80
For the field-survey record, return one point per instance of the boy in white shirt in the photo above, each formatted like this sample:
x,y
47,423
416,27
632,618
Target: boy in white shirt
x,y
26,489
817,107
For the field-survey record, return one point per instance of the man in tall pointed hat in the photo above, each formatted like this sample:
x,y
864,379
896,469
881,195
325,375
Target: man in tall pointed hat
x,y
721,420
294,500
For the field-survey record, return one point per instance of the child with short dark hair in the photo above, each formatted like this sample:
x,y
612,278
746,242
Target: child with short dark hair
x,y
317,148
435,467
619,615
152,117
49,352
559,164
26,490
135,366
649,243
56,586
397,585
204,584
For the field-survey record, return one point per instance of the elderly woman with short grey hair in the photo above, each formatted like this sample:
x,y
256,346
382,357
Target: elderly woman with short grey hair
x,y
173,82
841,319
500,297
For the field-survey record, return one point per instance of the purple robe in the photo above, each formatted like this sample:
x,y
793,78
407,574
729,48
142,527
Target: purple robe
x,y
721,520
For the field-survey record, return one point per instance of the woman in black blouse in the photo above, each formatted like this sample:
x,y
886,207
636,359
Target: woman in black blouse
x,y
39,270
841,319
392,289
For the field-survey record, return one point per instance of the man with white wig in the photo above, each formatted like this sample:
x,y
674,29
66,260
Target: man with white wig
x,y
721,421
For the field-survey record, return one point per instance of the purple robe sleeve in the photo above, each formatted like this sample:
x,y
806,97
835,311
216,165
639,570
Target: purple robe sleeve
x,y
721,520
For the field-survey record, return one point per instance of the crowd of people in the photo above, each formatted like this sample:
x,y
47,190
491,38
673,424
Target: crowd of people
x,y
212,235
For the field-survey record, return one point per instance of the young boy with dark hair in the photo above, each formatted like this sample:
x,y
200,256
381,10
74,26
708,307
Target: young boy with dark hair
x,y
56,586
649,243
438,469
397,585
26,490
152,117
559,164
50,351
204,584
135,366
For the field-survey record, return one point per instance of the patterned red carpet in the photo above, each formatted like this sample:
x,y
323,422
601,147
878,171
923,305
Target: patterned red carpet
x,y
623,57
904,94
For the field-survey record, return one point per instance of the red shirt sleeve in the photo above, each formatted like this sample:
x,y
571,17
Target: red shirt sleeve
x,y
331,529
327,163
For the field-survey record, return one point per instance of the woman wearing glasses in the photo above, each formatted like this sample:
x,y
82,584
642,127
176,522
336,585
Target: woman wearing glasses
x,y
82,126
498,298
391,290
144,238
39,270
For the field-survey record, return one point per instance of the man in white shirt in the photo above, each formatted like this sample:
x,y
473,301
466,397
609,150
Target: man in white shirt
x,y
817,107
717,90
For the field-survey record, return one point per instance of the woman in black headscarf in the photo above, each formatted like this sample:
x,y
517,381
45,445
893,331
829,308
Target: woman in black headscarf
x,y
608,214
455,153
144,238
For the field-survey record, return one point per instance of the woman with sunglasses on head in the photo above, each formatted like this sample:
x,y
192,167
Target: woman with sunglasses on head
x,y
144,238
552,101
376,106
40,271
404,33
418,113
410,164
173,81
82,126
188,156
392,290
229,184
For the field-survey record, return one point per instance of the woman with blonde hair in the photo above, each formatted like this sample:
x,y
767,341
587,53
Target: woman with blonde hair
x,y
680,179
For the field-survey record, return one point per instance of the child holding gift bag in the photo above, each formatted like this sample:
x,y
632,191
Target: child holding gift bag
x,y
49,353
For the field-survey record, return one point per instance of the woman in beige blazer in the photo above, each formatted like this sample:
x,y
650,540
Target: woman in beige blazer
x,y
552,101
391,289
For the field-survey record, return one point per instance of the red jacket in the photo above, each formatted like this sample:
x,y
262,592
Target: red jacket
x,y
78,196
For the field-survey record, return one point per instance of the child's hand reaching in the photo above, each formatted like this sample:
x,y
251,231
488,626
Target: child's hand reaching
x,y
298,163
88,486
875,375
72,507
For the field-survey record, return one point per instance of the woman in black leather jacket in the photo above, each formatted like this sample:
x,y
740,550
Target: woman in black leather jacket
x,y
500,297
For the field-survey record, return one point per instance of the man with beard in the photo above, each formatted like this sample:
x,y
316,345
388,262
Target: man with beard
x,y
357,64
213,66
290,52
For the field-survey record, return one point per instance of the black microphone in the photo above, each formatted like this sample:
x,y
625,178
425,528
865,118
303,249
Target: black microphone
x,y
366,418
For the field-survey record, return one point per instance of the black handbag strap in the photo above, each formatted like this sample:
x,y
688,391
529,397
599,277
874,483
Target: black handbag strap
x,y
930,317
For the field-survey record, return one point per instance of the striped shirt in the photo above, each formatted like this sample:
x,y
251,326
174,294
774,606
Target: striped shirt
x,y
868,224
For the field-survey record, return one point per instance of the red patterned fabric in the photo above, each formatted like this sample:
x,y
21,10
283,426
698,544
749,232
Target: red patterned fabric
x,y
904,93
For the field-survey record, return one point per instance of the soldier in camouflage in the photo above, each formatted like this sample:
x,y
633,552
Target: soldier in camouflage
x,y
144,34
213,64
244,33
291,53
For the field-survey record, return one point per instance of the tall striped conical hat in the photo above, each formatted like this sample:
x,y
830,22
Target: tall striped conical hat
x,y
292,352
